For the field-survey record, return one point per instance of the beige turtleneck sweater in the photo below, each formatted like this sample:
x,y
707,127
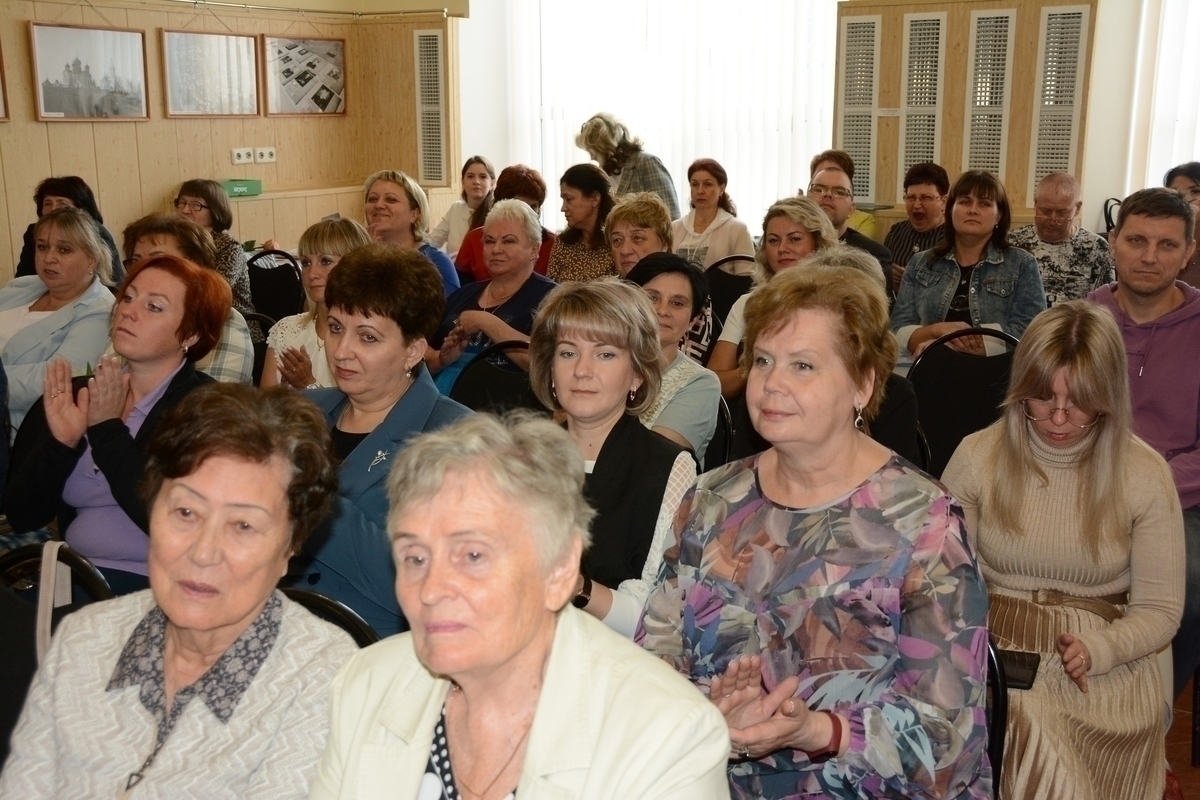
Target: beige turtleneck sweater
x,y
1148,562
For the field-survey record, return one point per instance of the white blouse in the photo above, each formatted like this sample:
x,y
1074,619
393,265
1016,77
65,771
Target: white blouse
x,y
300,330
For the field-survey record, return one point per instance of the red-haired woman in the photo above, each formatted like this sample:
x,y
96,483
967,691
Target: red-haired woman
x,y
711,230
79,455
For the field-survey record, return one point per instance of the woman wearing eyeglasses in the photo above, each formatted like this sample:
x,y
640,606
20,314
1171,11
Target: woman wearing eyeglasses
x,y
1079,535
1185,179
205,203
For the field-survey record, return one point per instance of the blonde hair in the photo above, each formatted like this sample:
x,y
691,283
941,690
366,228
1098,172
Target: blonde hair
x,y
843,255
335,237
863,336
416,198
604,137
642,210
80,229
1083,339
610,311
807,215
527,457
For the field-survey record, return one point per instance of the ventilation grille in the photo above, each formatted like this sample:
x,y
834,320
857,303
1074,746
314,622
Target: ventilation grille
x,y
988,97
431,105
858,97
1056,121
922,84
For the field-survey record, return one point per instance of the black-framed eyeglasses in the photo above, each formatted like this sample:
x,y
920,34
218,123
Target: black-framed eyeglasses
x,y
192,205
839,192
1043,410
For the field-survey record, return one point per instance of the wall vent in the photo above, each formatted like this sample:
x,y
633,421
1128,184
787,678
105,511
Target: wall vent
x,y
1062,45
858,98
989,90
431,107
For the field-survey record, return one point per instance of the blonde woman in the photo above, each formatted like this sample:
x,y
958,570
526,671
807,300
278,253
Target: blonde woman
x,y
296,344
1079,535
397,213
619,153
793,229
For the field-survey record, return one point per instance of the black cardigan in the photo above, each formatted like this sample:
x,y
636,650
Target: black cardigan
x,y
626,488
41,464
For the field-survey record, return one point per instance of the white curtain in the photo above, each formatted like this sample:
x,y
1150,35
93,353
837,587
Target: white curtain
x,y
747,82
1175,108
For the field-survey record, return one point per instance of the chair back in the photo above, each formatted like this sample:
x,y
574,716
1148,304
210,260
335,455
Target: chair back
x,y
997,712
717,452
275,286
724,288
334,612
489,383
958,393
260,348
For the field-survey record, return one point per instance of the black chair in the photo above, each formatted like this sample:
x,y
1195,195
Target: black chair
x,y
20,570
260,348
276,290
1196,718
725,289
717,452
489,383
997,712
335,612
958,393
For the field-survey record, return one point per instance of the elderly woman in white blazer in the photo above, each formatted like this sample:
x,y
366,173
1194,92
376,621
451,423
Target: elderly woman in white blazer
x,y
501,685
62,310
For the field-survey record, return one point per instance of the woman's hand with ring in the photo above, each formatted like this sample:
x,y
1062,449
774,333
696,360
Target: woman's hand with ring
x,y
1076,658
296,368
66,416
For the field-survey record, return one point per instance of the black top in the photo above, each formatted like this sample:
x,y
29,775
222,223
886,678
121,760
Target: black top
x,y
41,464
344,443
626,488
881,253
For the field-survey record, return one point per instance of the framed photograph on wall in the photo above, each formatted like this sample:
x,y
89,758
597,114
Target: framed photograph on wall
x,y
3,92
81,72
304,76
210,74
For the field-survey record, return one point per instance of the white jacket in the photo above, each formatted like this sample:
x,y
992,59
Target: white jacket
x,y
612,722
725,236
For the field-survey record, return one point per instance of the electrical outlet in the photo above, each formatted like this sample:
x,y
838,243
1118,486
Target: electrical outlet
x,y
243,155
264,155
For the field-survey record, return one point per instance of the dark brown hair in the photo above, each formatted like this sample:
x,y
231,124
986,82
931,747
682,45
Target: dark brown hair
x,y
480,214
523,181
74,189
392,282
1158,204
214,197
839,157
983,185
207,299
237,421
194,242
713,168
589,179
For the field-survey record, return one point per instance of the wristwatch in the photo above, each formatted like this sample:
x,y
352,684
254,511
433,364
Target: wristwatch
x,y
585,594
835,742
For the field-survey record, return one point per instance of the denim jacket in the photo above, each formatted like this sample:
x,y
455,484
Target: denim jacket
x,y
1006,292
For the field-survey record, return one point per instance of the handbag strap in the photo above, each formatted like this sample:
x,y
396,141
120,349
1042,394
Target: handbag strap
x,y
54,590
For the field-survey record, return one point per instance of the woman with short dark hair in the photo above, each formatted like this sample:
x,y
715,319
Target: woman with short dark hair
x,y
383,303
516,182
1185,179
581,252
212,683
205,203
80,454
68,191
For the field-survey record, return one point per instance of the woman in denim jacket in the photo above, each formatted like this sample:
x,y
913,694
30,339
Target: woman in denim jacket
x,y
973,278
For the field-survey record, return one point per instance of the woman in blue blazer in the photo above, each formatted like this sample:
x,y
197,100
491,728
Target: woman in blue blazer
x,y
383,302
61,311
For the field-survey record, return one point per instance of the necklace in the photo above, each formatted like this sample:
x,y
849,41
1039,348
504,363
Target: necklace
x,y
496,302
458,778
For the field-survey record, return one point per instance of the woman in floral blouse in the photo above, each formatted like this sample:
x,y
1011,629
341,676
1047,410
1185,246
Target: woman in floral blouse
x,y
823,593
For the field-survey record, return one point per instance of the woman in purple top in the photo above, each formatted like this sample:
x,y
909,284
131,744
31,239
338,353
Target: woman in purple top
x,y
80,453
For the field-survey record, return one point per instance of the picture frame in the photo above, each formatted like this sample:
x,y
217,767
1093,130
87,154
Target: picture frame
x,y
210,74
64,84
3,91
304,76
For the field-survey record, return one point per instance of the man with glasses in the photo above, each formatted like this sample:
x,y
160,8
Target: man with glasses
x,y
1072,261
1159,317
832,190
925,188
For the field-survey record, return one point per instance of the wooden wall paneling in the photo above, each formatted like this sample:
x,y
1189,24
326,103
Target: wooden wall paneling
x,y
255,219
291,218
119,181
887,131
8,267
319,206
350,204
193,140
957,38
72,150
1020,125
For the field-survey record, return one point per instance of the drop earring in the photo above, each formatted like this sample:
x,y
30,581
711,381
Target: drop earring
x,y
859,422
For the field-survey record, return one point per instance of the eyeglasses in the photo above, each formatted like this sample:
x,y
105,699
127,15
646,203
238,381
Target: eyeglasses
x,y
1066,213
835,191
1043,410
193,205
923,199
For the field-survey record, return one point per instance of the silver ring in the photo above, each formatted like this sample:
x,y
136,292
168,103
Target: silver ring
x,y
55,394
744,752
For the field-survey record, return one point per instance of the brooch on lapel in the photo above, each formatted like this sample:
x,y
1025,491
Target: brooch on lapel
x,y
380,457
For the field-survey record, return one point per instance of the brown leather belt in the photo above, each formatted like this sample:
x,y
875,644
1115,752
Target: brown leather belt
x,y
1105,606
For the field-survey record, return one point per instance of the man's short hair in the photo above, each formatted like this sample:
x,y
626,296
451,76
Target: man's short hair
x,y
1158,203
840,157
1060,182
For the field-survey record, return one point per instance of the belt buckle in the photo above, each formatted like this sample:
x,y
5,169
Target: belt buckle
x,y
1048,597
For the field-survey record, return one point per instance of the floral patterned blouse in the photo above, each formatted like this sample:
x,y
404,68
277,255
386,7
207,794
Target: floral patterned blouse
x,y
874,601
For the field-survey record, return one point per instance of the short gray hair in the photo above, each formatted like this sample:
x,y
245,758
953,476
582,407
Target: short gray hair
x,y
531,460
416,198
1060,183
844,255
517,211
